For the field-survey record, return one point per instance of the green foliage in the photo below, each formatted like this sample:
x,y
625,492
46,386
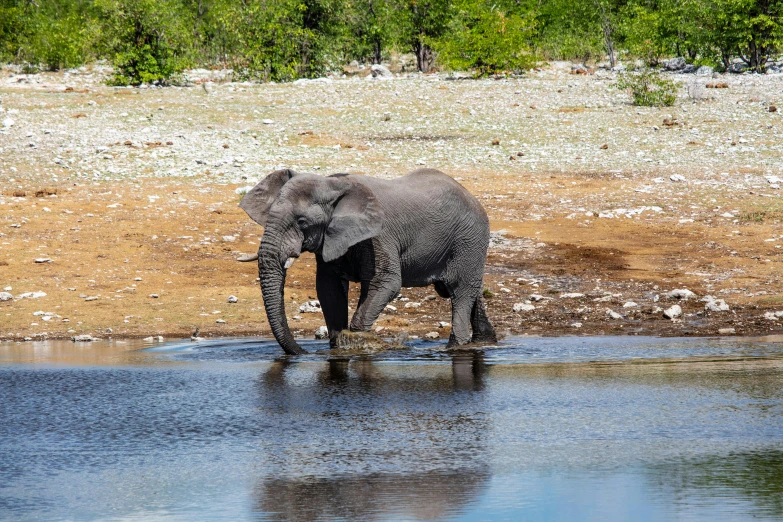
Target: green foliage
x,y
146,40
12,27
568,29
488,294
373,26
424,23
51,35
281,40
59,44
649,89
488,40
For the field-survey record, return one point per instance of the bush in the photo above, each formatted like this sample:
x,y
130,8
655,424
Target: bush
x,y
147,40
57,43
488,41
649,89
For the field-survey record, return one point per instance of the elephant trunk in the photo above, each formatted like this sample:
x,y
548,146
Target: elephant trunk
x,y
272,275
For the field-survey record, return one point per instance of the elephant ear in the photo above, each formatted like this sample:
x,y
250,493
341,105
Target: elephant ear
x,y
257,202
357,216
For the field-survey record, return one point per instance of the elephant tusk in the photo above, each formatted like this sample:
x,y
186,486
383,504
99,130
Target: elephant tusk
x,y
247,257
289,262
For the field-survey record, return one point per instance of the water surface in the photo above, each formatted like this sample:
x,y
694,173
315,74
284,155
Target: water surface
x,y
575,428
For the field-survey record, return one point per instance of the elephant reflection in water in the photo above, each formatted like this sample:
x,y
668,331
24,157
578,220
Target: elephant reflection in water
x,y
371,442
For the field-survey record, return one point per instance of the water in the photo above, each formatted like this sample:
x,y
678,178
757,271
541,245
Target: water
x,y
571,428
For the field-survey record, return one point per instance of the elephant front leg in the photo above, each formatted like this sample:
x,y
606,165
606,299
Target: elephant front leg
x,y
377,293
332,292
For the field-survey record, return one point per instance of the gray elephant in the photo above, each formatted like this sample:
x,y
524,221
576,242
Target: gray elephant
x,y
418,230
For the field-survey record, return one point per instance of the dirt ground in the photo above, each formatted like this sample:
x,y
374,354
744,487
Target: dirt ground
x,y
129,198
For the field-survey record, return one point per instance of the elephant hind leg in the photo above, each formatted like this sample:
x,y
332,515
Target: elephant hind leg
x,y
483,331
461,304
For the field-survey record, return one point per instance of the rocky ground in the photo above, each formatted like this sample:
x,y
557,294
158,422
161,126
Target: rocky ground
x,y
119,204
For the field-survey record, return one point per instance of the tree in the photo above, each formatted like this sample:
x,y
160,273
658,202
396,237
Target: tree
x,y
606,16
371,27
147,40
488,38
427,20
750,28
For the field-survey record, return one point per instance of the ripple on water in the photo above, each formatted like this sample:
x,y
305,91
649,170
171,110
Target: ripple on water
x,y
655,429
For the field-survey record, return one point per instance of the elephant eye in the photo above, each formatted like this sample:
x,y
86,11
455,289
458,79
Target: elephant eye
x,y
302,222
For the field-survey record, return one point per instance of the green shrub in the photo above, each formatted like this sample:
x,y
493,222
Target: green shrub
x,y
57,43
147,40
488,41
649,88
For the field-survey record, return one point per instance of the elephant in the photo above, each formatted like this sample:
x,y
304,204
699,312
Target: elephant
x,y
421,229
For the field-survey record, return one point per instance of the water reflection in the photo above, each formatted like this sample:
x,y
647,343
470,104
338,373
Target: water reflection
x,y
434,495
754,476
393,445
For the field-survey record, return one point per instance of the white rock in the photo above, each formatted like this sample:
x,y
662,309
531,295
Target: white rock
x,y
726,331
432,335
612,314
5,296
267,121
677,178
310,307
154,296
718,305
773,316
681,293
8,122
221,321
571,295
536,298
391,308
576,325
443,324
42,260
229,239
673,312
232,299
31,295
380,71
91,298
523,307
630,304
412,304
322,332
84,338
